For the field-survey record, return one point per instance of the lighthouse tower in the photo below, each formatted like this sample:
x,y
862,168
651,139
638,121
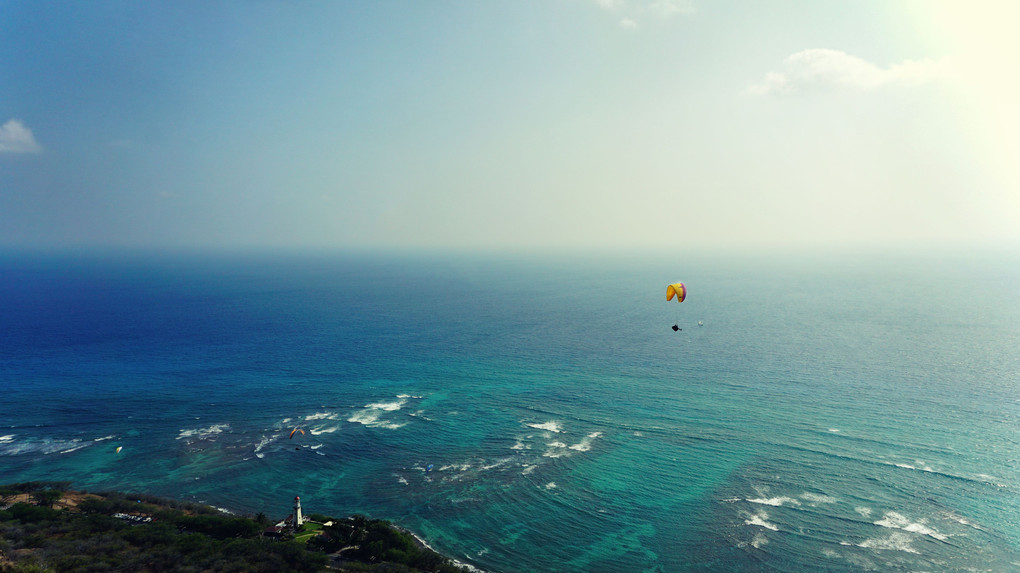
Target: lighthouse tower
x,y
298,520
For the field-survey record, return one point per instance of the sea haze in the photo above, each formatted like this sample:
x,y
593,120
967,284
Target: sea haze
x,y
538,413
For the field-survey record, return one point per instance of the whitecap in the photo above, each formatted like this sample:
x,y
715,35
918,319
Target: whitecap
x,y
323,430
461,467
964,521
551,426
77,446
371,418
7,439
775,501
321,416
103,439
761,519
263,443
203,432
895,520
550,485
585,444
528,469
895,542
556,450
387,406
495,465
920,466
864,511
366,417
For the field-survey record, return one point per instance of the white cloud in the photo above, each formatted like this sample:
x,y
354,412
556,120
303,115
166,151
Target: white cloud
x,y
16,138
832,69
669,8
661,9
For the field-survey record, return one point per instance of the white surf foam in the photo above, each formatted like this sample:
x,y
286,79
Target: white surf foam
x,y
319,416
103,439
387,406
775,501
323,430
761,519
370,417
202,433
7,439
265,441
76,445
585,444
896,541
920,466
759,540
556,450
551,426
895,520
495,464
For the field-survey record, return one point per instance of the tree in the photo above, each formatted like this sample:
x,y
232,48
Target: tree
x,y
47,497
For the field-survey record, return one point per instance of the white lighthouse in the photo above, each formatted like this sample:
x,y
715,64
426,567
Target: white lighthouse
x,y
298,520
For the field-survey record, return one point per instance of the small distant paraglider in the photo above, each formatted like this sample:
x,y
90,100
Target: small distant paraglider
x,y
119,448
679,291
292,432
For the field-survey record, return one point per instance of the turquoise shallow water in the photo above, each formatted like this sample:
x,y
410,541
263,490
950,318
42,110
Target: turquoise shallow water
x,y
832,413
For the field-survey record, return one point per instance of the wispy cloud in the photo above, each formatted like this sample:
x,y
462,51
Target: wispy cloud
x,y
815,69
634,9
16,138
670,8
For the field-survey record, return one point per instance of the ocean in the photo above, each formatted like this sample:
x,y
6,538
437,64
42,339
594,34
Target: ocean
x,y
534,413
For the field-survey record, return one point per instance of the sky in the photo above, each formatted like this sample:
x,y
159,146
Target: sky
x,y
516,124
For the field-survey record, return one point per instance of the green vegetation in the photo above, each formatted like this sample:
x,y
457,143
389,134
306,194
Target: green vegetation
x,y
46,528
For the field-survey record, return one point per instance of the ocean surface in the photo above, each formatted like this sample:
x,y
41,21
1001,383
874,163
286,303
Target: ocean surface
x,y
538,413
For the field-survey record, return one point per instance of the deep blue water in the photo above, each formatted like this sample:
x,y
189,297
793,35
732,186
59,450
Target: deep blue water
x,y
836,413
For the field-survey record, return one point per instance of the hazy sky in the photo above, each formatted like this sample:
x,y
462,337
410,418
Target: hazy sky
x,y
516,123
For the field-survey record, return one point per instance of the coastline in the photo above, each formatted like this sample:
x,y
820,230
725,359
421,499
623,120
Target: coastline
x,y
96,518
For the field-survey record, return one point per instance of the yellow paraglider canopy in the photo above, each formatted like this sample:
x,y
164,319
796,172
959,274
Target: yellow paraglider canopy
x,y
678,290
